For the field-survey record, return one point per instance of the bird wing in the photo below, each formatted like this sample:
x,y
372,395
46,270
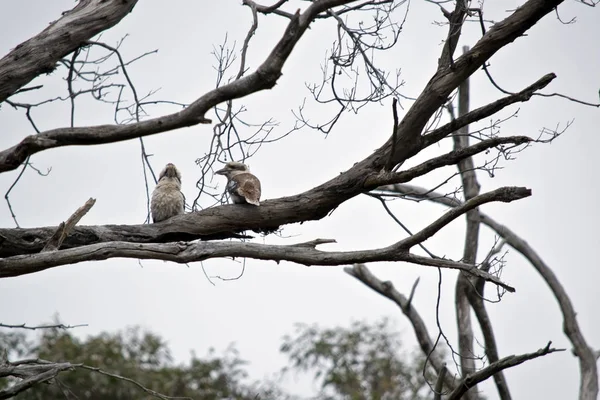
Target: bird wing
x,y
247,186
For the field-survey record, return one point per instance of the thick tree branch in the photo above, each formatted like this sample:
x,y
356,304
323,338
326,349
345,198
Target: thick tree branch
x,y
386,289
588,389
40,54
507,362
265,77
446,80
183,252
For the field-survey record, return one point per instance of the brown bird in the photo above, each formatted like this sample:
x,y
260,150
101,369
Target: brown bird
x,y
167,199
242,186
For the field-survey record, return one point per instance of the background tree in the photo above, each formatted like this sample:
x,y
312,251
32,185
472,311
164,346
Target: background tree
x,y
407,155
362,361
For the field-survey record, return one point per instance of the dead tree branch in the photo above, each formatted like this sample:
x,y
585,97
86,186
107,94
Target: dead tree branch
x,y
386,289
182,252
265,77
33,328
507,362
35,371
40,54
64,228
588,388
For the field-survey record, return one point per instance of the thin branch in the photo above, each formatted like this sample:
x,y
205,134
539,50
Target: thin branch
x,y
587,359
486,111
265,77
64,228
451,158
390,164
439,383
505,194
507,362
33,328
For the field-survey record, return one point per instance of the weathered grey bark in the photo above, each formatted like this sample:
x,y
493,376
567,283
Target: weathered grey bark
x,y
40,54
588,388
466,294
303,253
225,221
408,138
461,301
493,369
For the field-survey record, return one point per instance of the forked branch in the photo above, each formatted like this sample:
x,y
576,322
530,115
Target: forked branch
x,y
490,370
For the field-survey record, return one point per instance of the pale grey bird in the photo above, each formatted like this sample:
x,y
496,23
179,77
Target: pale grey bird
x,y
167,199
242,186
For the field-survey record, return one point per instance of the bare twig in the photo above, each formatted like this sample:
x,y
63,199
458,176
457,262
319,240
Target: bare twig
x,y
33,328
64,228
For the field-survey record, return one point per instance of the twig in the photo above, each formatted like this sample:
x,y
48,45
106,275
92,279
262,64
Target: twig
x,y
390,163
64,228
33,328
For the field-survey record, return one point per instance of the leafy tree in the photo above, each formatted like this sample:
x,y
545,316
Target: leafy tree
x,y
359,362
362,361
138,355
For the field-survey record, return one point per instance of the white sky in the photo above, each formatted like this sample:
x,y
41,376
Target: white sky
x,y
559,220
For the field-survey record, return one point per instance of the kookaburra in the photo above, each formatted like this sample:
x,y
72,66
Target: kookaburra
x,y
242,186
167,199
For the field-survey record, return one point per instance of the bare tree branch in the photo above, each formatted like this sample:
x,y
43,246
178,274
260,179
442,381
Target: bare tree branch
x,y
505,194
64,228
265,77
386,289
445,80
507,362
486,111
588,389
33,328
439,384
36,371
182,252
40,54
451,158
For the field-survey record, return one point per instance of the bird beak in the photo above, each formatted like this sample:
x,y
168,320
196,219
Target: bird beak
x,y
222,171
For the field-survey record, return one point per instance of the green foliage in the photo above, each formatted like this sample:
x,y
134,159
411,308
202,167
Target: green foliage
x,y
360,362
141,356
357,363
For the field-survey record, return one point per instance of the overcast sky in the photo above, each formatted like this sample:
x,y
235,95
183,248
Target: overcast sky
x,y
560,219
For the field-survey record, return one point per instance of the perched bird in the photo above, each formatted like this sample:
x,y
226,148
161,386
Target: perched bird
x,y
167,199
242,186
